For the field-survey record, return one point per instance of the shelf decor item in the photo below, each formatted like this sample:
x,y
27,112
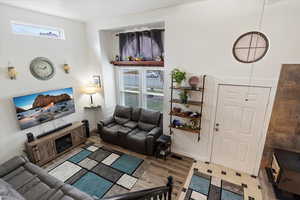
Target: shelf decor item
x,y
178,76
193,82
183,97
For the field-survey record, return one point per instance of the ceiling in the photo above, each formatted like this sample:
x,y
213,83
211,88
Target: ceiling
x,y
85,10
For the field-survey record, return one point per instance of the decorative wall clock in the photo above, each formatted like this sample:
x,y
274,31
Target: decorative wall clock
x,y
250,47
42,68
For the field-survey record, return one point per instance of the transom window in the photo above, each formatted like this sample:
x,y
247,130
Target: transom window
x,y
20,28
141,87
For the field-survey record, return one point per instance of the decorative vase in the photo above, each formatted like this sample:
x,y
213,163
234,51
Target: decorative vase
x,y
178,85
194,81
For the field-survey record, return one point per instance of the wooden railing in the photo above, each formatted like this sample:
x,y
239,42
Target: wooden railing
x,y
159,193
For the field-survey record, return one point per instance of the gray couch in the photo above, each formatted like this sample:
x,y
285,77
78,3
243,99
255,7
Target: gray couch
x,y
133,128
20,179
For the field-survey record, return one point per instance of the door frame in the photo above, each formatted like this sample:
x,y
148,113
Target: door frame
x,y
266,83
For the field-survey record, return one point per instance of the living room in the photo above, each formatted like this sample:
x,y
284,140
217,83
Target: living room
x,y
228,110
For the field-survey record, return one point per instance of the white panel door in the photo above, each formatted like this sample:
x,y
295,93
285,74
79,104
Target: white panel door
x,y
238,127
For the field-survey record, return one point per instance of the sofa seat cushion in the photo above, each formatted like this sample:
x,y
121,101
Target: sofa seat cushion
x,y
136,140
121,120
111,125
19,177
145,126
113,129
7,192
131,124
124,130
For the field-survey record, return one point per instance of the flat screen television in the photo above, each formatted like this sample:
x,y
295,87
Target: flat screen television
x,y
35,109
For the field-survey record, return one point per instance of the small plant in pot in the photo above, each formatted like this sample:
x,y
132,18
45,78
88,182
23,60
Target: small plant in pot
x,y
178,76
183,97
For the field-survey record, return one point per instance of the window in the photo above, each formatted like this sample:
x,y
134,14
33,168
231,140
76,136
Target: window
x,y
37,30
141,88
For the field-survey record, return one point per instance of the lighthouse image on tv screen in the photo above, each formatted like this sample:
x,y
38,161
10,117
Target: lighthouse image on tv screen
x,y
42,107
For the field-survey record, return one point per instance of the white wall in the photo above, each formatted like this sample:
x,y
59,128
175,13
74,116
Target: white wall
x,y
20,50
199,38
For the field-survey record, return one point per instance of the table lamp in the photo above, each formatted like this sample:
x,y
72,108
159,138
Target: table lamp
x,y
91,89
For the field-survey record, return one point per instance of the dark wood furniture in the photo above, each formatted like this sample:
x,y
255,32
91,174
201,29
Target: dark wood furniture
x,y
139,63
163,148
47,148
285,171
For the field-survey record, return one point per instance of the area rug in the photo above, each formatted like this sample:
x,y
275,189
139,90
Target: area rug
x,y
205,187
99,172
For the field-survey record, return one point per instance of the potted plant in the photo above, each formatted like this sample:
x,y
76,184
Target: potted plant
x,y
178,76
183,97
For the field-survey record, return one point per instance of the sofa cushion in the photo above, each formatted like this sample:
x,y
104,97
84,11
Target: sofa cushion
x,y
123,112
131,124
7,192
150,117
136,112
145,126
11,165
43,175
137,140
19,177
121,120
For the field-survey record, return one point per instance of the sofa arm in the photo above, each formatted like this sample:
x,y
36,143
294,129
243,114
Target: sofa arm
x,y
156,132
151,139
105,122
12,165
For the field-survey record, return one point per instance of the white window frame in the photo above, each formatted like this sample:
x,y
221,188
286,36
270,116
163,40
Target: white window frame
x,y
60,30
142,85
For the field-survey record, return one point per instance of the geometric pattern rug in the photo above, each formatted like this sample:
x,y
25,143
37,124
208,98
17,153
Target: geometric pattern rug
x,y
99,172
205,187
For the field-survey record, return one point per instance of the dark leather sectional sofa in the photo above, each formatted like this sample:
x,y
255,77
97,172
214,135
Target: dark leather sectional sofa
x,y
20,180
136,129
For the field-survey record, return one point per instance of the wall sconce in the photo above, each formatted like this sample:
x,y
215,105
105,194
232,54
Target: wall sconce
x,y
12,73
67,68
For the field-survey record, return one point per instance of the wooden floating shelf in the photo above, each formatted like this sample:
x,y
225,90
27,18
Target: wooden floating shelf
x,y
186,129
139,63
183,116
188,88
193,103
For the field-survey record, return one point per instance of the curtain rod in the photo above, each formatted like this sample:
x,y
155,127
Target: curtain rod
x,y
141,31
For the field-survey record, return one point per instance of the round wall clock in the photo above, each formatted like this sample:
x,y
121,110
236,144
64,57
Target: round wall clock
x,y
42,68
250,47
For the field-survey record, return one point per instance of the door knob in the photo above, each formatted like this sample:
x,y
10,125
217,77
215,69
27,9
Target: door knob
x,y
216,129
217,124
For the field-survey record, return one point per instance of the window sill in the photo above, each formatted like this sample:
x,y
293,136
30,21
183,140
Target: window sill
x,y
139,63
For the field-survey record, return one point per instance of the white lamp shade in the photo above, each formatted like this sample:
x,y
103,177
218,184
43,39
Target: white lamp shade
x,y
91,89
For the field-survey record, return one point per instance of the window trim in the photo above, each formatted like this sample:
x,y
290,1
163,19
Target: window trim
x,y
61,36
142,85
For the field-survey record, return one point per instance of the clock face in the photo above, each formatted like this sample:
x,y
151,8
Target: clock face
x,y
42,68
